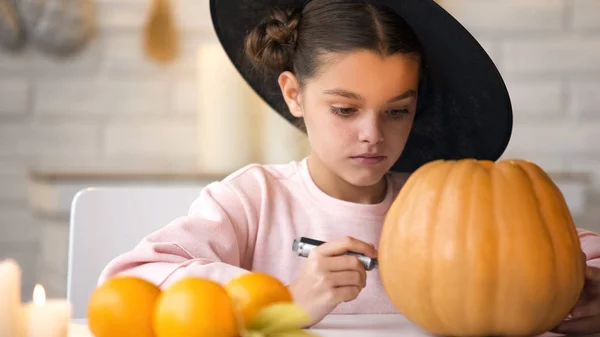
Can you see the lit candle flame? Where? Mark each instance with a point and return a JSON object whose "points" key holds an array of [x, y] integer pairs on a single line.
{"points": [[39, 295]]}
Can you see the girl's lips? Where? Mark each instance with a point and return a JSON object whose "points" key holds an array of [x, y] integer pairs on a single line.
{"points": [[369, 159]]}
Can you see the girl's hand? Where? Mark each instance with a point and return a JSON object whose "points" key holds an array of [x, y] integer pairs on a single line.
{"points": [[329, 278], [585, 317]]}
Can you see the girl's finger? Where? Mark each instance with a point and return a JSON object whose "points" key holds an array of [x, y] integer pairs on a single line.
{"points": [[583, 299], [347, 278], [587, 309], [581, 326], [347, 294], [346, 244], [342, 262], [593, 274], [346, 263]]}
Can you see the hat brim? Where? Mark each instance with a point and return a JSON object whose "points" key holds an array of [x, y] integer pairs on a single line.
{"points": [[464, 107]]}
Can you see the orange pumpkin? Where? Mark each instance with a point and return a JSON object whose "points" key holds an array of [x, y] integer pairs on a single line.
{"points": [[481, 248]]}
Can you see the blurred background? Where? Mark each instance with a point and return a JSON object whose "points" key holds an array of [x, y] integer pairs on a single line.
{"points": [[87, 100]]}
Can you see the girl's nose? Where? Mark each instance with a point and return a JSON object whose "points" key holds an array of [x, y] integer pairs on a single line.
{"points": [[371, 130]]}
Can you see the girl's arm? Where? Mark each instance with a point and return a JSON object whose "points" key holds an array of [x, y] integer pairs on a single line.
{"points": [[215, 240], [590, 244]]}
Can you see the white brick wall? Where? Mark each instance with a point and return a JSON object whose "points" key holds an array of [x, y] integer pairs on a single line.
{"points": [[13, 179], [556, 138], [109, 106], [115, 14], [171, 138], [13, 64], [18, 225], [553, 55], [126, 56], [585, 100], [585, 15], [536, 100], [114, 97], [13, 135], [14, 96], [501, 17], [85, 64], [61, 138]]}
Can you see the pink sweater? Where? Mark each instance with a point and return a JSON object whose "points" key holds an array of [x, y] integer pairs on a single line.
{"points": [[249, 220]]}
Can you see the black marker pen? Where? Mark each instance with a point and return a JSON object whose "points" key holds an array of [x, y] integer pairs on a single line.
{"points": [[303, 246]]}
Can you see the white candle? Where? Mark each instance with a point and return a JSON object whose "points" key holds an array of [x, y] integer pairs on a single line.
{"points": [[47, 318], [11, 315], [79, 330], [227, 107]]}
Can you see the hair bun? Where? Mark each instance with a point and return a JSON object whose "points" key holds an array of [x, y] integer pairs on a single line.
{"points": [[271, 45]]}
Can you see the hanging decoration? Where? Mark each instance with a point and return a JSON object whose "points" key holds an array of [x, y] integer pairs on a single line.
{"points": [[58, 27], [161, 42], [11, 29]]}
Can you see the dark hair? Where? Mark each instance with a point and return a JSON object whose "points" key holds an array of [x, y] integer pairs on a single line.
{"points": [[294, 39]]}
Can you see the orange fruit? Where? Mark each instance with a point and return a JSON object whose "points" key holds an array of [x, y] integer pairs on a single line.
{"points": [[124, 307], [195, 307], [253, 291]]}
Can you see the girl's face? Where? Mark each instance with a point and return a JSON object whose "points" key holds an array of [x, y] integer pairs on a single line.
{"points": [[358, 112]]}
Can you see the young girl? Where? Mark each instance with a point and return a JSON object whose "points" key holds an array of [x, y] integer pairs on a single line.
{"points": [[380, 90]]}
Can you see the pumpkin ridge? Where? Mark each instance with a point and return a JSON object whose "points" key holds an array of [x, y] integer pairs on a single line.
{"points": [[577, 277], [432, 236], [510, 257], [466, 236], [410, 183], [480, 238], [534, 185], [534, 191], [496, 180], [456, 230], [493, 308], [399, 236], [572, 233], [426, 304]]}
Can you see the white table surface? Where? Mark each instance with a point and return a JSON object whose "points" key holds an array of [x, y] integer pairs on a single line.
{"points": [[342, 326]]}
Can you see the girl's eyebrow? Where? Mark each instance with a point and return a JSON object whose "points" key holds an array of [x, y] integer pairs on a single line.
{"points": [[344, 93], [406, 94], [353, 95]]}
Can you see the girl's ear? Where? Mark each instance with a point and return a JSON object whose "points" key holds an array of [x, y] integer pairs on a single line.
{"points": [[290, 88]]}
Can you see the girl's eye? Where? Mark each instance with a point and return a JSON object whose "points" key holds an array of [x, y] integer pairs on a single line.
{"points": [[347, 112], [344, 112], [398, 113]]}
